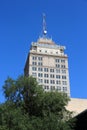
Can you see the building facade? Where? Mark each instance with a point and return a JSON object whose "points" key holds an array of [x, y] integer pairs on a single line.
{"points": [[48, 63], [77, 105]]}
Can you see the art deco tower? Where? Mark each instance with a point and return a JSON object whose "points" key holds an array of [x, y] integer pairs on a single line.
{"points": [[48, 63]]}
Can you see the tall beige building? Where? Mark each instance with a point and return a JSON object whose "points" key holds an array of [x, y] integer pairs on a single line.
{"points": [[48, 63]]}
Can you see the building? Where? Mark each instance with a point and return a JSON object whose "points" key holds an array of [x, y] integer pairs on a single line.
{"points": [[81, 121], [77, 105], [48, 63]]}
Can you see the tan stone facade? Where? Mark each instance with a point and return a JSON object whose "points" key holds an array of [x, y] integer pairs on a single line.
{"points": [[48, 63], [77, 105]]}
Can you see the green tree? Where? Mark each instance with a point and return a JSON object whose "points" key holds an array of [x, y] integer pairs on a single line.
{"points": [[28, 107]]}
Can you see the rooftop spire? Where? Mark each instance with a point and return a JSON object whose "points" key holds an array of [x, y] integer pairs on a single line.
{"points": [[44, 26]]}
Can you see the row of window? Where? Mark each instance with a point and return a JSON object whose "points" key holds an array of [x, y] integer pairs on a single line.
{"points": [[52, 81], [60, 66], [56, 65], [52, 76], [37, 58], [51, 51], [37, 63], [60, 60], [58, 88], [47, 70], [41, 58]]}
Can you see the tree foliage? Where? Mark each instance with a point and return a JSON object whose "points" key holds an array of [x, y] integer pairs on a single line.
{"points": [[28, 107]]}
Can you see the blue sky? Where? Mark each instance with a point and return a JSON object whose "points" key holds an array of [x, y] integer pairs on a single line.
{"points": [[21, 23]]}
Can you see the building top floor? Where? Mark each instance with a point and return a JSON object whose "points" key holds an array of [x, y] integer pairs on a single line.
{"points": [[47, 43], [47, 46]]}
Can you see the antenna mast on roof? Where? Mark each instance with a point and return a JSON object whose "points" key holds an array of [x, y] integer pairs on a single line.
{"points": [[44, 26]]}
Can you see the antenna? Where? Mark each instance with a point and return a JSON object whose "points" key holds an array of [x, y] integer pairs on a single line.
{"points": [[44, 26]]}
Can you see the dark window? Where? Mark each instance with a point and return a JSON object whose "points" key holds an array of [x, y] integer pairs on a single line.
{"points": [[63, 77], [52, 87], [58, 76], [34, 68], [46, 69], [51, 70]]}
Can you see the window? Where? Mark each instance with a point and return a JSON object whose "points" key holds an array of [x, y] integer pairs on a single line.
{"points": [[52, 76], [46, 69], [58, 82], [57, 66], [52, 81], [63, 66], [40, 63], [63, 77], [51, 70], [40, 75], [64, 89], [34, 48], [34, 68], [40, 58], [34, 63], [58, 88], [61, 50], [34, 58], [45, 51], [40, 69], [52, 87], [46, 87], [46, 81], [34, 74], [64, 82], [57, 60], [46, 75], [57, 70], [62, 61], [58, 76], [40, 80], [63, 71]]}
